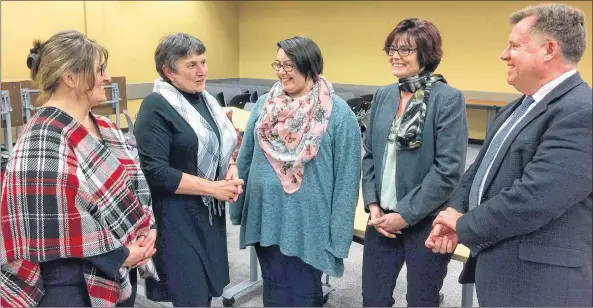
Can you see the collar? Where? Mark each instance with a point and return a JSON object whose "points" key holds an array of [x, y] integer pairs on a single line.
{"points": [[548, 87]]}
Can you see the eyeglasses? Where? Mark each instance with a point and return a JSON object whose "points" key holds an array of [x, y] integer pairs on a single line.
{"points": [[287, 67], [402, 51], [102, 69]]}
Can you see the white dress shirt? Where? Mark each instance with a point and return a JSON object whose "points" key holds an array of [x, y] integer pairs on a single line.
{"points": [[538, 96]]}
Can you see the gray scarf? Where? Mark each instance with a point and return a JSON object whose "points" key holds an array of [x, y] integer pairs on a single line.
{"points": [[212, 155], [409, 135]]}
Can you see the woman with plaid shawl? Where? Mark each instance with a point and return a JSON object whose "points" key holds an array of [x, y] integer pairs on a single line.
{"points": [[76, 214]]}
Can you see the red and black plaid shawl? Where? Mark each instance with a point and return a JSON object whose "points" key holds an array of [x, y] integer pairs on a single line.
{"points": [[67, 194]]}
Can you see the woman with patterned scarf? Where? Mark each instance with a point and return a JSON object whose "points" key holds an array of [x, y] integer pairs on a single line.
{"points": [[300, 159], [76, 213], [414, 157], [185, 143]]}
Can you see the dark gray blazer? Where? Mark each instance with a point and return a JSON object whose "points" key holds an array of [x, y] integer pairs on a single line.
{"points": [[531, 234], [426, 176]]}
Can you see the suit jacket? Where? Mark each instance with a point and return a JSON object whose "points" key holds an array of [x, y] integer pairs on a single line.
{"points": [[531, 234], [426, 176]]}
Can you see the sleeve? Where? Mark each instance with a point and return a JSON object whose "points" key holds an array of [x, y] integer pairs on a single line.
{"points": [[557, 178], [244, 160], [445, 173], [346, 164], [110, 263], [460, 198], [369, 190], [153, 138]]}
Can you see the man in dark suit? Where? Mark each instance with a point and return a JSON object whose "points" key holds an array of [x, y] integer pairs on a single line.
{"points": [[524, 208]]}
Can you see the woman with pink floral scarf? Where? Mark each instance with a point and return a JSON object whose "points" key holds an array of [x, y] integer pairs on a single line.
{"points": [[300, 159]]}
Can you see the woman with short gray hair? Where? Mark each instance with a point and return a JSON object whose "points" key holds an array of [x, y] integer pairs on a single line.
{"points": [[185, 144]]}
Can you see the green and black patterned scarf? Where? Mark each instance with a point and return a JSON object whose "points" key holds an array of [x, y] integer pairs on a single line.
{"points": [[409, 135]]}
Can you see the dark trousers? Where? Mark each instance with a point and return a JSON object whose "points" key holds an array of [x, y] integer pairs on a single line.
{"points": [[77, 295], [383, 259], [179, 286], [74, 296], [288, 281]]}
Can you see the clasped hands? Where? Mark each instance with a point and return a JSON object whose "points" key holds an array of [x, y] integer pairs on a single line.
{"points": [[142, 249], [230, 188], [387, 225], [443, 237]]}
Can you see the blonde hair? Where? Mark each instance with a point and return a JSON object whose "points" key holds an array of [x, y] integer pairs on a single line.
{"points": [[65, 52]]}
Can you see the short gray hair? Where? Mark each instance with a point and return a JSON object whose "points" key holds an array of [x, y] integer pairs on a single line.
{"points": [[565, 24], [173, 47]]}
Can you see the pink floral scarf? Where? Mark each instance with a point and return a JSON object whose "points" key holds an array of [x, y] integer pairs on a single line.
{"points": [[291, 129]]}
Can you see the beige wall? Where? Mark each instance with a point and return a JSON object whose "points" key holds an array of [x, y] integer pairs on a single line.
{"points": [[240, 37], [130, 30], [23, 21], [351, 35]]}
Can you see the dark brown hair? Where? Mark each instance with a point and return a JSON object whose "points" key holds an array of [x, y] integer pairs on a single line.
{"points": [[305, 54], [424, 36]]}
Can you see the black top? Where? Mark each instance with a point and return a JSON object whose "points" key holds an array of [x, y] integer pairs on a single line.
{"points": [[68, 271], [166, 131], [191, 251], [197, 101]]}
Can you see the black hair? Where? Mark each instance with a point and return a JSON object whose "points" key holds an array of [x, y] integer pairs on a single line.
{"points": [[304, 54]]}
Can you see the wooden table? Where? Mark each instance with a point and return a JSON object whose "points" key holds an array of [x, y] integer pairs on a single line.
{"points": [[491, 107], [240, 117]]}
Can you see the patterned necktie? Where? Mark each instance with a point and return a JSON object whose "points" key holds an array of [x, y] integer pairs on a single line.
{"points": [[499, 138]]}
